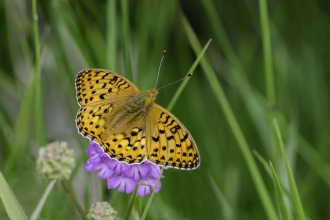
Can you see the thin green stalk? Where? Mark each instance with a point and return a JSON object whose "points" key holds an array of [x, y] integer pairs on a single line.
{"points": [[268, 63], [42, 201], [131, 204], [111, 35], [224, 104], [262, 161], [279, 193], [266, 166], [145, 212], [184, 83], [126, 36], [74, 200], [38, 98], [292, 182]]}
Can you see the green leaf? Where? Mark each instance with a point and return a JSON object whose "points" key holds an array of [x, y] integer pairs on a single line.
{"points": [[13, 208]]}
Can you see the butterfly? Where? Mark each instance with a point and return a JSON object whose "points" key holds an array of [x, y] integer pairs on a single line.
{"points": [[128, 125]]}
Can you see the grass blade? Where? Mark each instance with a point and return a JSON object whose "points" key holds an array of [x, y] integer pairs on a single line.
{"points": [[184, 83], [224, 104], [131, 204], [74, 200], [296, 197], [268, 64], [145, 212], [13, 208], [279, 193], [126, 34], [112, 35], [38, 98]]}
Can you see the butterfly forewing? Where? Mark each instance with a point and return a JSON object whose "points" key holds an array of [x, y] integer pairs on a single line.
{"points": [[90, 123], [97, 86]]}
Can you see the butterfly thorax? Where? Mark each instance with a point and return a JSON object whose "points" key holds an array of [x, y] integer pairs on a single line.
{"points": [[143, 100], [150, 96]]}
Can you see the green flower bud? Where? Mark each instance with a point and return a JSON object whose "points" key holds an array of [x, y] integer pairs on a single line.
{"points": [[55, 161], [102, 210]]}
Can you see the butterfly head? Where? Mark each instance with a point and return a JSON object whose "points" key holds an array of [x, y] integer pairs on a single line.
{"points": [[151, 95]]}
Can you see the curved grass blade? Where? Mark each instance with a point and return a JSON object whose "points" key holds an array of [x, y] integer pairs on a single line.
{"points": [[126, 34], [279, 193], [184, 83], [296, 197], [145, 212], [13, 208], [224, 104]]}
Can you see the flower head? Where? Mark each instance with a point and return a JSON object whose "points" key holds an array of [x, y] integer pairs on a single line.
{"points": [[102, 210], [122, 175], [55, 161]]}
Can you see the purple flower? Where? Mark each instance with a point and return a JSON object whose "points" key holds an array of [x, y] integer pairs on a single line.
{"points": [[138, 171], [120, 174], [125, 183], [147, 184]]}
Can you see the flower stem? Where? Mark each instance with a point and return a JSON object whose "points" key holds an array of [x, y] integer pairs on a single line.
{"points": [[131, 204], [42, 201], [74, 200], [145, 212]]}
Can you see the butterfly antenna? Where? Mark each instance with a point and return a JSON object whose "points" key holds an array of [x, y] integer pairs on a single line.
{"points": [[190, 74], [164, 53]]}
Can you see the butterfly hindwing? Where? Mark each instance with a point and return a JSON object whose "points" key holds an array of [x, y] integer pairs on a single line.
{"points": [[90, 123], [125, 144], [129, 147], [169, 137]]}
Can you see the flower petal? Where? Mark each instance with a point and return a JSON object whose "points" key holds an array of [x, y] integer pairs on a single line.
{"points": [[93, 148], [130, 185], [154, 170], [125, 183], [138, 171], [89, 167], [113, 182], [147, 184], [105, 172], [143, 190], [121, 167]]}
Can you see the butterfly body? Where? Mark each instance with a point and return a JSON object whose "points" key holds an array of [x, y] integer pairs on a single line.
{"points": [[128, 125], [141, 101]]}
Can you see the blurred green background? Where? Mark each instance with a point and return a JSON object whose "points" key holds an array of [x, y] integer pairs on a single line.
{"points": [[293, 86]]}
